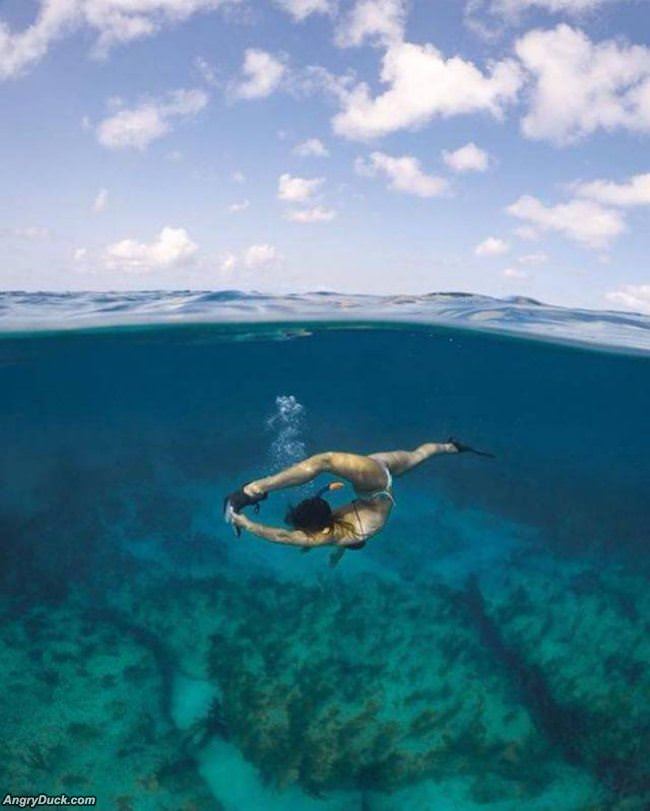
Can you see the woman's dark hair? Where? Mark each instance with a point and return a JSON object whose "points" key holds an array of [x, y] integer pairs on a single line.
{"points": [[310, 515], [314, 515]]}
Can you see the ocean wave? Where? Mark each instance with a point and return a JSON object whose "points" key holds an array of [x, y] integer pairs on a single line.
{"points": [[29, 312]]}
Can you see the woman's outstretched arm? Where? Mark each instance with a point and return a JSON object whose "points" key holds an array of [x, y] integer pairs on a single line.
{"points": [[278, 534]]}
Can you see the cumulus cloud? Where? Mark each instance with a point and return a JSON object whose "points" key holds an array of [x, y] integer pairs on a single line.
{"points": [[171, 248], [631, 297], [379, 21], [405, 174], [259, 256], [492, 246], [580, 86], [312, 147], [252, 258], [310, 215], [298, 189], [113, 21], [583, 221], [242, 205], [633, 192], [137, 127], [301, 9], [468, 158], [510, 7], [101, 201], [422, 84], [261, 74]]}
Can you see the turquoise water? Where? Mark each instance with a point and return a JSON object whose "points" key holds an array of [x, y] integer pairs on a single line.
{"points": [[488, 650]]}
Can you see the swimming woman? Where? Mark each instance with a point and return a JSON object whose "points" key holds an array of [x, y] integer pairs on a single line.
{"points": [[313, 522]]}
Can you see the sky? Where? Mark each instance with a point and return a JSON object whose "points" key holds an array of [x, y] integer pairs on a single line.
{"points": [[376, 146]]}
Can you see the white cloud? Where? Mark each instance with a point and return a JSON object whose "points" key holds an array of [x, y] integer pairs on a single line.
{"points": [[583, 221], [258, 256], [298, 189], [114, 21], [80, 254], [31, 232], [580, 86], [492, 246], [312, 147], [634, 192], [229, 263], [238, 177], [632, 297], [310, 215], [526, 232], [301, 9], [509, 7], [242, 205], [514, 273], [262, 74], [533, 259], [254, 257], [469, 158], [101, 201], [172, 247], [137, 127], [423, 84], [380, 21], [207, 71], [21, 49], [405, 174]]}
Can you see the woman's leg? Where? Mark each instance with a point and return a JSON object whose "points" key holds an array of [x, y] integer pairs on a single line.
{"points": [[297, 474], [361, 471], [399, 462]]}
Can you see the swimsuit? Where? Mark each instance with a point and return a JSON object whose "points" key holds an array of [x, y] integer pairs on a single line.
{"points": [[386, 492]]}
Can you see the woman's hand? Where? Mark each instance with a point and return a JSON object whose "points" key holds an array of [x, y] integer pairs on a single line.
{"points": [[239, 520]]}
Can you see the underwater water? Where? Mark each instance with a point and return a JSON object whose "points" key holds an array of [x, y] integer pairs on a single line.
{"points": [[488, 650]]}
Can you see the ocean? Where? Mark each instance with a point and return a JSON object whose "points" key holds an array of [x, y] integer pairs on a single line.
{"points": [[489, 649]]}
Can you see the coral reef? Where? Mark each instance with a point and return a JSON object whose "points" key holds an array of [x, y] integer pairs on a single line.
{"points": [[75, 719], [356, 683], [586, 631], [518, 683]]}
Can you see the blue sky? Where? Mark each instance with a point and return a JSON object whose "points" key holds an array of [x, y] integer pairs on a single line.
{"points": [[494, 146]]}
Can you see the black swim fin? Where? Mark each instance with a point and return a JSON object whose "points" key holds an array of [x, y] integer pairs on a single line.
{"points": [[239, 499], [235, 503], [462, 448]]}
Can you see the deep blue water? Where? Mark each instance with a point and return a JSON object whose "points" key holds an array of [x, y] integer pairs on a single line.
{"points": [[488, 649]]}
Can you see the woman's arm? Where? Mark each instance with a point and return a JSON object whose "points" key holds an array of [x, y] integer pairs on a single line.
{"points": [[278, 534]]}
